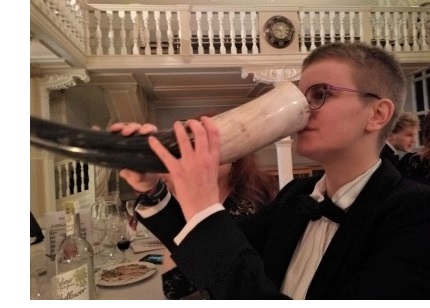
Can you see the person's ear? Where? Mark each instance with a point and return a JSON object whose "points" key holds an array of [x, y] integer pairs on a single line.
{"points": [[381, 113]]}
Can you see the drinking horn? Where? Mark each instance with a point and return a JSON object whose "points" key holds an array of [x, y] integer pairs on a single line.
{"points": [[245, 129]]}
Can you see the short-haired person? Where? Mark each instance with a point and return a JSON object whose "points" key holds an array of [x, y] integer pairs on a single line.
{"points": [[416, 166], [402, 138], [376, 247]]}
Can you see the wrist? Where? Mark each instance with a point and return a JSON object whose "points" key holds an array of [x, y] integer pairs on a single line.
{"points": [[154, 195]]}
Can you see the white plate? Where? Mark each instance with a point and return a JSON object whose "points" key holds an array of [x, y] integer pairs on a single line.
{"points": [[120, 281]]}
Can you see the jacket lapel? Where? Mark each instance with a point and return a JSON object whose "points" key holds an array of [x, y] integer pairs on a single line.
{"points": [[342, 251]]}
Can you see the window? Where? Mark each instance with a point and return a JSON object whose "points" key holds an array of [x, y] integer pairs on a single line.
{"points": [[422, 95]]}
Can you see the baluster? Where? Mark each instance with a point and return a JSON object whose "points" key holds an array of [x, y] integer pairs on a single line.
{"points": [[209, 17], [406, 46], [222, 49], [231, 16], [423, 36], [158, 32], [146, 33], [397, 46], [302, 31], [122, 35], [387, 31], [136, 26], [67, 177], [243, 32], [351, 16], [342, 26], [254, 32], [312, 29], [415, 46], [200, 50], [98, 33], [332, 15], [321, 16], [170, 49], [111, 48], [181, 47], [378, 28], [360, 22], [63, 180]]}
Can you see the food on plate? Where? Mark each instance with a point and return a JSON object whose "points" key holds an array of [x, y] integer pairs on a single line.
{"points": [[125, 272]]}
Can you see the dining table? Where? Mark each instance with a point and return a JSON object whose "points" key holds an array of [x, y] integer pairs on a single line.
{"points": [[147, 289]]}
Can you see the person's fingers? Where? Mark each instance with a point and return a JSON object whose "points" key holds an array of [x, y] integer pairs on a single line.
{"points": [[131, 128], [147, 129], [182, 137], [200, 136]]}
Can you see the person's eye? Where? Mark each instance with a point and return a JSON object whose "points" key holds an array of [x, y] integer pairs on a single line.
{"points": [[318, 94]]}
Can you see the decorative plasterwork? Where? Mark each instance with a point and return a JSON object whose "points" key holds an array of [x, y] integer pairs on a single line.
{"points": [[271, 75], [64, 81]]}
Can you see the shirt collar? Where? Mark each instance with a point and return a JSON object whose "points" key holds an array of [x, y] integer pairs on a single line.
{"points": [[347, 194]]}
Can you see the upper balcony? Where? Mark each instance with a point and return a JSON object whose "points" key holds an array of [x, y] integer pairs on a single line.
{"points": [[96, 36]]}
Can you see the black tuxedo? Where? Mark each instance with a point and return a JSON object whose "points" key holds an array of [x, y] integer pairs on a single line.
{"points": [[380, 251], [388, 153]]}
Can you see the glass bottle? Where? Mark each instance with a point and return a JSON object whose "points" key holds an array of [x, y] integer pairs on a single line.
{"points": [[74, 262]]}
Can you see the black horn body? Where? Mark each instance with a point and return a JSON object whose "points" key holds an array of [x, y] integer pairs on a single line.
{"points": [[101, 148]]}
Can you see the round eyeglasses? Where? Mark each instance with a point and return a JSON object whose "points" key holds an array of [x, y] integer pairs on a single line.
{"points": [[317, 93]]}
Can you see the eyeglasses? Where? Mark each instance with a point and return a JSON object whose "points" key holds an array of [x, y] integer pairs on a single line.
{"points": [[317, 93]]}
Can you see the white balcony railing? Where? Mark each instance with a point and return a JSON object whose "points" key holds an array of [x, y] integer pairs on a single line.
{"points": [[133, 29], [144, 30]]}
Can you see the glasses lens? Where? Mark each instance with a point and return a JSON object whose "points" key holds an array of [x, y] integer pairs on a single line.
{"points": [[316, 96]]}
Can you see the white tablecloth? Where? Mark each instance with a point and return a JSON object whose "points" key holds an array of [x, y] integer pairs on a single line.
{"points": [[148, 289]]}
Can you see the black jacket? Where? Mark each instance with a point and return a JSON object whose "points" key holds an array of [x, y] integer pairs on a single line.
{"points": [[380, 251]]}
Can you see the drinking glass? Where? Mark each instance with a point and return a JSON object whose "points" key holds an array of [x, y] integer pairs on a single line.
{"points": [[101, 212], [141, 231], [116, 228], [98, 235]]}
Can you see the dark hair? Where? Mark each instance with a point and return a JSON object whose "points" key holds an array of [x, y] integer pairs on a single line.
{"points": [[425, 130], [248, 182]]}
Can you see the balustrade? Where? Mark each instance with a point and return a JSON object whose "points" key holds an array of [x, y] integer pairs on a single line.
{"points": [[134, 29]]}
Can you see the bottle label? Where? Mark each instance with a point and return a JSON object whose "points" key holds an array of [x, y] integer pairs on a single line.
{"points": [[73, 284]]}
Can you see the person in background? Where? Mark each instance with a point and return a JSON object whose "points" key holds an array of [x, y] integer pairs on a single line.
{"points": [[416, 166], [359, 231], [402, 138]]}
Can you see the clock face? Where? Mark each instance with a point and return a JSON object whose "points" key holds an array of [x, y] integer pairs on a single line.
{"points": [[279, 31]]}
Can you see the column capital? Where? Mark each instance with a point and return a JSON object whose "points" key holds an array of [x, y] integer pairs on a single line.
{"points": [[64, 80], [271, 75]]}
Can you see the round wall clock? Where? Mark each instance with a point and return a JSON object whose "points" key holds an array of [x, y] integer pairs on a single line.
{"points": [[279, 31]]}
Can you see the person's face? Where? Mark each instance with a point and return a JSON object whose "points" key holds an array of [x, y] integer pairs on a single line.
{"points": [[336, 129], [404, 140]]}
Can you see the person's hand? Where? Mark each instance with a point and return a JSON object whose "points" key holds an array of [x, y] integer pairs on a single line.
{"points": [[141, 182], [195, 174]]}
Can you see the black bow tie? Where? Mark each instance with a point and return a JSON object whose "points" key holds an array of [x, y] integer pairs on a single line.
{"points": [[314, 210]]}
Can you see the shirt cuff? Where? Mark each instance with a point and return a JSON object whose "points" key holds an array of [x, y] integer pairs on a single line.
{"points": [[196, 219], [148, 211]]}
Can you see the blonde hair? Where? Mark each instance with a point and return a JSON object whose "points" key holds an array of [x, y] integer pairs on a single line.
{"points": [[406, 119]]}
